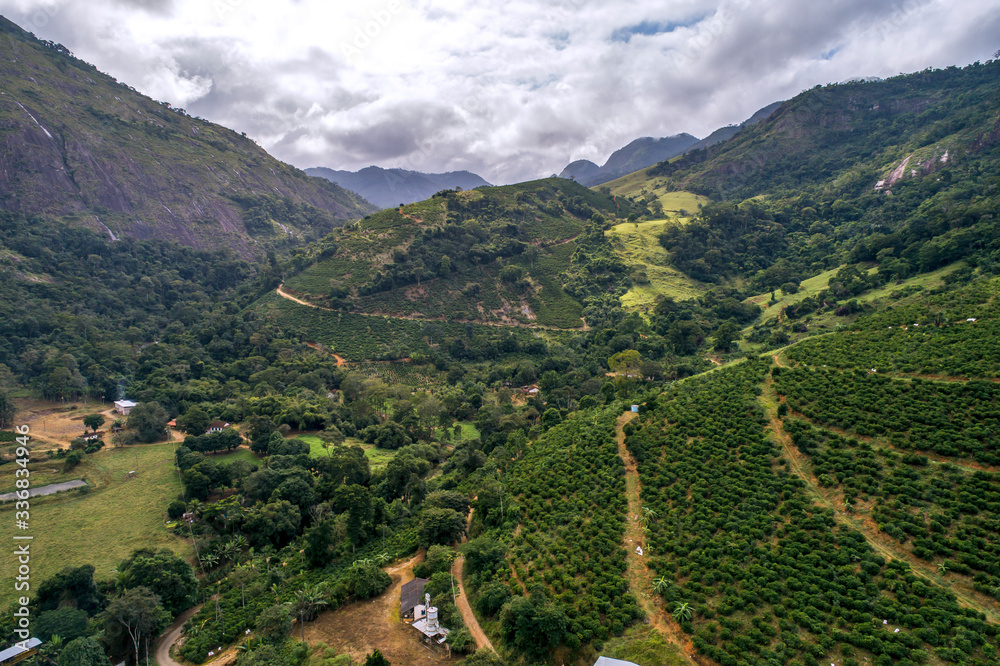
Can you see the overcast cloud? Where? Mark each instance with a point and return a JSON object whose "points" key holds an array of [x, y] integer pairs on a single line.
{"points": [[511, 90]]}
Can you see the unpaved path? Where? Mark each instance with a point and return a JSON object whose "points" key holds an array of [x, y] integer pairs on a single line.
{"points": [[457, 568], [511, 324], [341, 361], [640, 578], [482, 640], [170, 636]]}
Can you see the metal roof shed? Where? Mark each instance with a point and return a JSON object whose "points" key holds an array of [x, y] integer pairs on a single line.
{"points": [[410, 595]]}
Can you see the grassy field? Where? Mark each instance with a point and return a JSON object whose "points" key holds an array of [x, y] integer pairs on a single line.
{"points": [[102, 526], [818, 283], [644, 645], [377, 458], [469, 431], [238, 454], [638, 184], [637, 243]]}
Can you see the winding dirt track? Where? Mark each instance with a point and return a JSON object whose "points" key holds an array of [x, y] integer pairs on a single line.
{"points": [[284, 294], [639, 576], [170, 636], [482, 640]]}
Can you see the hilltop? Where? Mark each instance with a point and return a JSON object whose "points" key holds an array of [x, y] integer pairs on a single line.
{"points": [[513, 255], [391, 187], [77, 144]]}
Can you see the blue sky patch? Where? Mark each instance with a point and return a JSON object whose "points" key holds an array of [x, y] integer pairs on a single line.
{"points": [[653, 28]]}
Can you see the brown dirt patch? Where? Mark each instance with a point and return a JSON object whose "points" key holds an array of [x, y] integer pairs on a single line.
{"points": [[55, 424], [363, 626]]}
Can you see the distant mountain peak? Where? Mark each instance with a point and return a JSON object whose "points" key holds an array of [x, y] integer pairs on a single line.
{"points": [[387, 188], [647, 151]]}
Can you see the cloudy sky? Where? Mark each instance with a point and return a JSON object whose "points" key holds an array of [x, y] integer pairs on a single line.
{"points": [[511, 90]]}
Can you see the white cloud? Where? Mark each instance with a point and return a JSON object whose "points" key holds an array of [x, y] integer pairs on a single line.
{"points": [[512, 90]]}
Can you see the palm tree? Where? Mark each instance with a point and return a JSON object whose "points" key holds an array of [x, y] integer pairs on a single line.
{"points": [[942, 568], [381, 558], [682, 611], [647, 515], [229, 550], [660, 584], [308, 601], [196, 507], [209, 560]]}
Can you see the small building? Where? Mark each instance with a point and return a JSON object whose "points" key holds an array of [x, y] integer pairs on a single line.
{"points": [[172, 423], [635, 409], [429, 626], [20, 652], [123, 407], [608, 661], [409, 600], [217, 426]]}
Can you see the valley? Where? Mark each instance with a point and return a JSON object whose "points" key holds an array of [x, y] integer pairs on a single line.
{"points": [[740, 406]]}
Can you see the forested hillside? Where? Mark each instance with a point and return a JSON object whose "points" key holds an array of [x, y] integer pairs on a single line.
{"points": [[519, 254], [901, 172]]}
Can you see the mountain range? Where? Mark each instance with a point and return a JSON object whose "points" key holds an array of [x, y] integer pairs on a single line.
{"points": [[739, 406], [387, 188], [647, 151]]}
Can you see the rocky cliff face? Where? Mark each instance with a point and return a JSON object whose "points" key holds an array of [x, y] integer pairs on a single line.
{"points": [[77, 144]]}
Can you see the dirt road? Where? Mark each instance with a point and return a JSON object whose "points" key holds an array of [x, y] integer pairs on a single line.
{"points": [[170, 636], [462, 602], [639, 576], [284, 294]]}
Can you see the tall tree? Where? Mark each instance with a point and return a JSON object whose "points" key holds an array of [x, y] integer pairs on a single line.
{"points": [[149, 420], [93, 421], [139, 613]]}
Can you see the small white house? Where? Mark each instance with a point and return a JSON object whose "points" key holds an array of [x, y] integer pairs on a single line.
{"points": [[217, 426], [123, 407]]}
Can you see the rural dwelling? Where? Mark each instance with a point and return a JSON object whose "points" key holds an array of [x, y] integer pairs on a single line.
{"points": [[123, 407], [409, 600], [608, 661], [172, 424], [218, 426]]}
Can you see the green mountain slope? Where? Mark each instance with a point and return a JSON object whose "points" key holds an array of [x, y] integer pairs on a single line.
{"points": [[900, 173], [524, 254], [76, 143]]}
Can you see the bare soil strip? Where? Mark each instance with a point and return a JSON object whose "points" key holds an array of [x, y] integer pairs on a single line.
{"points": [[640, 578]]}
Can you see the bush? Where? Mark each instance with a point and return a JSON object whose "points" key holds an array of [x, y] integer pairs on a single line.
{"points": [[176, 509]]}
